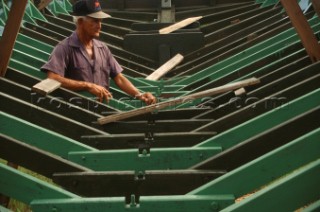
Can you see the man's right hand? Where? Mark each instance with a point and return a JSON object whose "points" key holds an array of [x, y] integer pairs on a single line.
{"points": [[99, 91]]}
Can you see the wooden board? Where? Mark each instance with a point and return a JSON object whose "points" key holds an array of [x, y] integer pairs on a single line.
{"points": [[179, 25], [303, 28], [126, 183], [240, 92], [10, 33], [162, 105], [316, 6], [165, 68], [35, 159], [138, 140], [46, 86]]}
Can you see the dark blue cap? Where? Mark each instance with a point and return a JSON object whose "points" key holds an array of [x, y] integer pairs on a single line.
{"points": [[89, 8]]}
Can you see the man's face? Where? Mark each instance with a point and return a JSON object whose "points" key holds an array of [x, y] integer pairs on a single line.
{"points": [[92, 26]]}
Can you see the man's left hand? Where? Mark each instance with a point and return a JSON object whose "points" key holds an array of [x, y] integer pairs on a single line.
{"points": [[148, 98]]}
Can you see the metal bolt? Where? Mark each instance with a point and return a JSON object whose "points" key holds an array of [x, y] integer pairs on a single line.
{"points": [[133, 201], [144, 152]]}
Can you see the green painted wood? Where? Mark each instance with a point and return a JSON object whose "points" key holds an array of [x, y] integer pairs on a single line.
{"points": [[28, 19], [264, 69], [2, 23], [225, 72], [27, 59], [287, 194], [33, 12], [35, 159], [252, 58], [267, 3], [35, 43], [56, 8], [47, 119], [273, 45], [26, 188], [157, 159], [26, 68], [66, 5], [40, 137], [72, 108], [266, 168], [263, 122], [142, 83], [4, 11], [158, 203], [31, 50], [225, 140]]}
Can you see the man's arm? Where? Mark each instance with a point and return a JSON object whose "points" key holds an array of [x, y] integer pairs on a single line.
{"points": [[75, 85], [124, 84]]}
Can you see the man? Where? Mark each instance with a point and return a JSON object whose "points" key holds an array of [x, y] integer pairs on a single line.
{"points": [[81, 62]]}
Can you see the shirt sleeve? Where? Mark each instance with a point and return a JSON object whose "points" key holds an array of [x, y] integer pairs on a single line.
{"points": [[115, 67], [58, 60]]}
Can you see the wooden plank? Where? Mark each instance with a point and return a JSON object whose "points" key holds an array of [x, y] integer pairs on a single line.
{"points": [[35, 159], [162, 105], [139, 140], [10, 33], [240, 92], [165, 68], [158, 126], [7, 41], [262, 143], [179, 25], [316, 6], [303, 29], [46, 86], [126, 183]]}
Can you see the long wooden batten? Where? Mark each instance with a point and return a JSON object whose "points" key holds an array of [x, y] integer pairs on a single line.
{"points": [[162, 105]]}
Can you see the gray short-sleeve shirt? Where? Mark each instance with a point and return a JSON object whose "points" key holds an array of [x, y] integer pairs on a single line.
{"points": [[69, 59]]}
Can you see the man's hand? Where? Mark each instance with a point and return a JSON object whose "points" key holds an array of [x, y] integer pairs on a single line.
{"points": [[148, 98], [124, 84], [99, 91], [75, 85]]}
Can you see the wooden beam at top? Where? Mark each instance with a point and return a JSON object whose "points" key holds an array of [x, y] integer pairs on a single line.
{"points": [[303, 28], [10, 33], [7, 41], [316, 6]]}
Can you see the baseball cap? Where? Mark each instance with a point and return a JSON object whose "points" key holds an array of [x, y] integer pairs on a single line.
{"points": [[89, 8]]}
